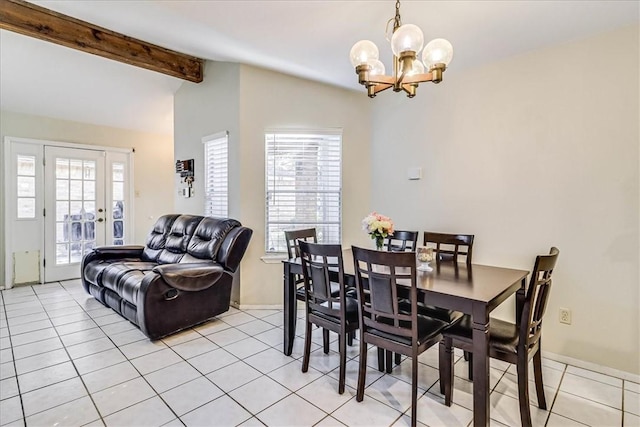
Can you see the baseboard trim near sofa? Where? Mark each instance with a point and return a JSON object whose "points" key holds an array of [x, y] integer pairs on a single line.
{"points": [[256, 306], [606, 370]]}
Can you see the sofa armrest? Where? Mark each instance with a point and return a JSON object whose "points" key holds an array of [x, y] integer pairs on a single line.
{"points": [[233, 248], [112, 252], [129, 251], [190, 276]]}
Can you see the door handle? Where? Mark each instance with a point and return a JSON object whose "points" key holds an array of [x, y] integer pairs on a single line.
{"points": [[100, 210], [100, 219]]}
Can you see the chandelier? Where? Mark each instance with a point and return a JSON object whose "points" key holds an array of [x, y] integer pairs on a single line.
{"points": [[408, 72]]}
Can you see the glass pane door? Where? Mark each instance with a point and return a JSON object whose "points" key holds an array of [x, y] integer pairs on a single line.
{"points": [[75, 202]]}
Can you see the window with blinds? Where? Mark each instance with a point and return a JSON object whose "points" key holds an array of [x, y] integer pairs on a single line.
{"points": [[216, 168], [304, 185]]}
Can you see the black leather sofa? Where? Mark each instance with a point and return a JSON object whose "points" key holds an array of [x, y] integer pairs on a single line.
{"points": [[181, 277]]}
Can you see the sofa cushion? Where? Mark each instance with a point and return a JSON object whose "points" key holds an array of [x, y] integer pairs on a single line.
{"points": [[157, 237], [124, 278], [208, 237], [178, 238]]}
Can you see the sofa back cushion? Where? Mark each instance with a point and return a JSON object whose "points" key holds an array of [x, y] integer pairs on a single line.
{"points": [[178, 238], [157, 237], [208, 237]]}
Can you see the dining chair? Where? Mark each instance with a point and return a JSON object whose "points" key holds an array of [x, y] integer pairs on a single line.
{"points": [[517, 342], [389, 276], [450, 247], [453, 248], [293, 237], [322, 267], [401, 241]]}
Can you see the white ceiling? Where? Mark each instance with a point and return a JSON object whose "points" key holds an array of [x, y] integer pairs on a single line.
{"points": [[305, 38]]}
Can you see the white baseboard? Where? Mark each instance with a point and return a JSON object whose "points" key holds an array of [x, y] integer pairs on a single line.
{"points": [[627, 376], [257, 306]]}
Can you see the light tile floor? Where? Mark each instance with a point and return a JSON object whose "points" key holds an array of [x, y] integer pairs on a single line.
{"points": [[67, 360]]}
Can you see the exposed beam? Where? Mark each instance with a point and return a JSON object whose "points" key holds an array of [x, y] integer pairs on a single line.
{"points": [[35, 21]]}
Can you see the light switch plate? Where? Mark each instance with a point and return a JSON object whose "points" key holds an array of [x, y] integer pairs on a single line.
{"points": [[414, 173]]}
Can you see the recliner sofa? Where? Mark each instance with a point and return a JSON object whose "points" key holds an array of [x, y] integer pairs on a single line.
{"points": [[180, 278]]}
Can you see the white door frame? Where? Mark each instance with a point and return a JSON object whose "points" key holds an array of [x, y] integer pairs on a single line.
{"points": [[10, 201]]}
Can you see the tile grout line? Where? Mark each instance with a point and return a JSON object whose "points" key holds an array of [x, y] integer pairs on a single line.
{"points": [[15, 368]]}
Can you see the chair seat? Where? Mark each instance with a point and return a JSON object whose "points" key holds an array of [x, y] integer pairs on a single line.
{"points": [[427, 329], [351, 310], [335, 291], [446, 315], [503, 336]]}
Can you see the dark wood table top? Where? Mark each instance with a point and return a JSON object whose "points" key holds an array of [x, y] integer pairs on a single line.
{"points": [[478, 283]]}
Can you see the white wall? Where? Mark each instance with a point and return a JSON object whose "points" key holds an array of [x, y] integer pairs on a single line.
{"points": [[538, 150], [153, 162], [202, 109]]}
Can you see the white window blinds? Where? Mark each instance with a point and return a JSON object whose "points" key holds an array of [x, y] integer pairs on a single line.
{"points": [[216, 164], [304, 185]]}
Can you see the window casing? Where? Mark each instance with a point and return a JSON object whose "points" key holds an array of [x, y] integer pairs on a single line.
{"points": [[216, 165], [303, 185]]}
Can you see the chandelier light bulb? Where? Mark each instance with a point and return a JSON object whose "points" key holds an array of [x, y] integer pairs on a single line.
{"points": [[408, 37], [416, 68], [437, 51], [363, 52], [377, 68]]}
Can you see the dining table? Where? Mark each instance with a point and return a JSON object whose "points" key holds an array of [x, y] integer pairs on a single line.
{"points": [[475, 290]]}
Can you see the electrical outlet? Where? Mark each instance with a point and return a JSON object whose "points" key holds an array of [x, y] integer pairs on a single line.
{"points": [[565, 316]]}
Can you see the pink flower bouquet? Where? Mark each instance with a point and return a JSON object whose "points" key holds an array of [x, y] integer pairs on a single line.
{"points": [[378, 226]]}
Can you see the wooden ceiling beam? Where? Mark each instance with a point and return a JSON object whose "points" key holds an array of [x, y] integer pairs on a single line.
{"points": [[41, 23]]}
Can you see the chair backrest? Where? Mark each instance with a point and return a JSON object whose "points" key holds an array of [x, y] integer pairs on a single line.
{"points": [[401, 241], [536, 298], [321, 265], [377, 276], [450, 247], [292, 237]]}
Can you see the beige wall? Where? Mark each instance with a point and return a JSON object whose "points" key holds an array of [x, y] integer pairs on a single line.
{"points": [[153, 162], [538, 150], [273, 100]]}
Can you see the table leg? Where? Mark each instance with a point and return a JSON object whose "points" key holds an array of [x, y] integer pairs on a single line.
{"points": [[480, 366], [290, 309], [520, 297]]}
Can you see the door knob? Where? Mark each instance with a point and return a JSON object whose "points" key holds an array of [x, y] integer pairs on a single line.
{"points": [[100, 219], [100, 210]]}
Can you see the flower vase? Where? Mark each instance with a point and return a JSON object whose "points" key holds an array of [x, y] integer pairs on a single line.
{"points": [[379, 242]]}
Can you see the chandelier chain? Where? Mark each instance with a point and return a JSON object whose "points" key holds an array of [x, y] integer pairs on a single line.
{"points": [[397, 21]]}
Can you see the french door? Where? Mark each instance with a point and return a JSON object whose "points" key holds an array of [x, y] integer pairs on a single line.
{"points": [[74, 208]]}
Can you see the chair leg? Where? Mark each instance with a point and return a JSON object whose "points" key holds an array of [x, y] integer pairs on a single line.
{"points": [[398, 358], [350, 337], [470, 375], [380, 359], [342, 345], [362, 370], [388, 358], [325, 340], [537, 374], [466, 355], [523, 388], [307, 347], [414, 389], [445, 359]]}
